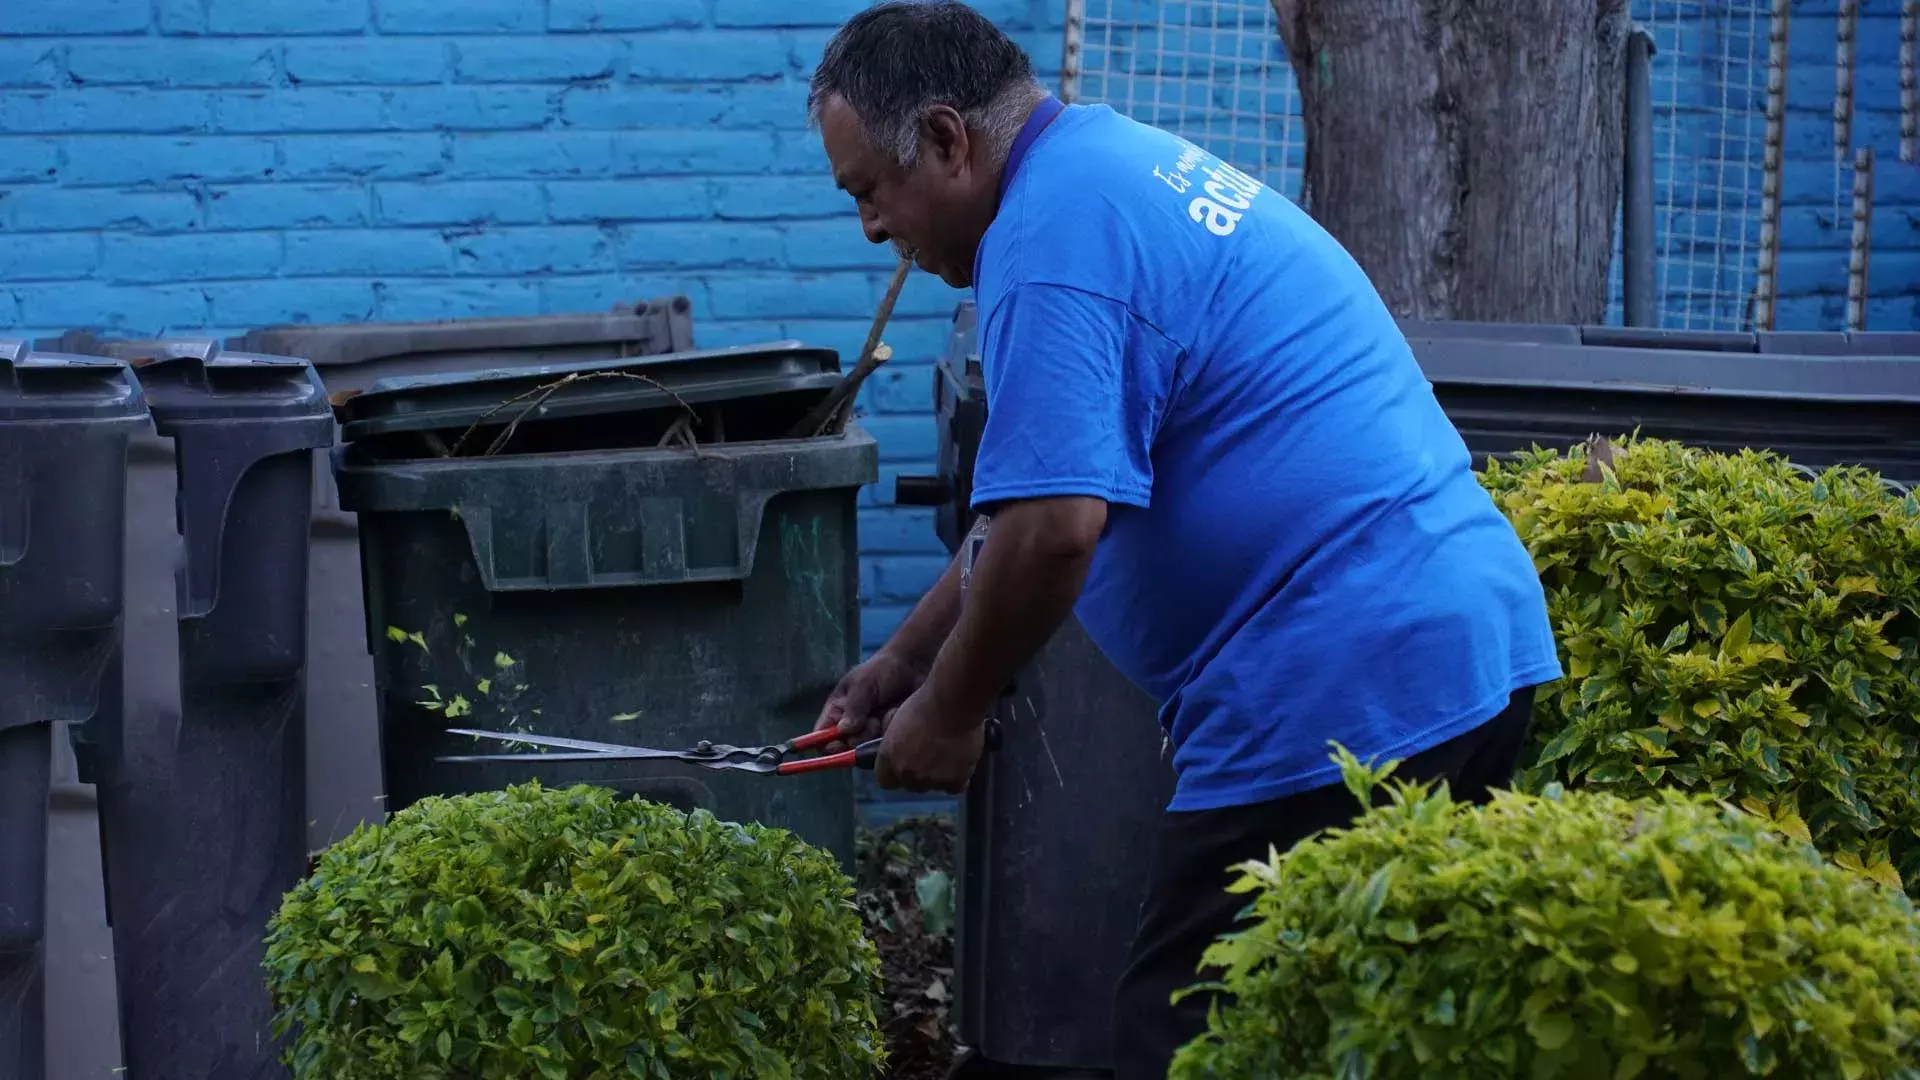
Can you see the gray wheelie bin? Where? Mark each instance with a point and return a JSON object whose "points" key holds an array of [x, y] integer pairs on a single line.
{"points": [[202, 793], [1061, 820], [64, 426]]}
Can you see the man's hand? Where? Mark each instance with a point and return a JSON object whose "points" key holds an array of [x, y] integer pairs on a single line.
{"points": [[865, 694], [929, 748]]}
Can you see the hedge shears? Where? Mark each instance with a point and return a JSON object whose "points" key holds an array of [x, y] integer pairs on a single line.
{"points": [[770, 760]]}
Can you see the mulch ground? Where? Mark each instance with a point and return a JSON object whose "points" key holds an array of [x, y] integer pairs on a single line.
{"points": [[898, 865]]}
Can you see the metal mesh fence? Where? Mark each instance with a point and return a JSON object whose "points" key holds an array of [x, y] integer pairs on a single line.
{"points": [[1211, 71], [1216, 73], [1709, 137]]}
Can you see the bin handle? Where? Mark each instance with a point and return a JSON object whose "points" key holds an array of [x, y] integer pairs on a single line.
{"points": [[663, 534], [209, 474]]}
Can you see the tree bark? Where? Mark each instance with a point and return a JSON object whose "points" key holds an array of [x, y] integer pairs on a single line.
{"points": [[1466, 152]]}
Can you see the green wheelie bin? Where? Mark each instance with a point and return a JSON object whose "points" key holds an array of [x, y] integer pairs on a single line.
{"points": [[626, 551]]}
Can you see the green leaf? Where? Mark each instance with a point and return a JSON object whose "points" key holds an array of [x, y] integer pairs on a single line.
{"points": [[1737, 635], [1610, 772], [468, 911], [1742, 557], [934, 893], [658, 885], [1757, 1055], [1374, 897], [1560, 745], [512, 1000], [1596, 689], [374, 986], [1551, 1031], [520, 1031], [1712, 616], [1859, 690]]}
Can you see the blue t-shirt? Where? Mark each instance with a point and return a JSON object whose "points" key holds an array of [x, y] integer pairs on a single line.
{"points": [[1297, 549]]}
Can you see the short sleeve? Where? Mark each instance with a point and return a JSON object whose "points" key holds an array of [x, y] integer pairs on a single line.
{"points": [[1076, 389]]}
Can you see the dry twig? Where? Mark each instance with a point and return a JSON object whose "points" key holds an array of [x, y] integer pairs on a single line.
{"points": [[830, 415], [541, 393]]}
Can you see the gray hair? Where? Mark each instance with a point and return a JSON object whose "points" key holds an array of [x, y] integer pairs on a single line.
{"points": [[897, 60]]}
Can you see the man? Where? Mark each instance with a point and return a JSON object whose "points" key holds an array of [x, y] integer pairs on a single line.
{"points": [[1207, 437]]}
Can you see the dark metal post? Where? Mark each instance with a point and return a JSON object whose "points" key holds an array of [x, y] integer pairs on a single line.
{"points": [[1636, 215]]}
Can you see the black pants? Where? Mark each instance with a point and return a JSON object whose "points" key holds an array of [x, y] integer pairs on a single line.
{"points": [[1188, 906]]}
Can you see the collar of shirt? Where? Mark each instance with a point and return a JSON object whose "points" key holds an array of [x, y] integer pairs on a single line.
{"points": [[1042, 115]]}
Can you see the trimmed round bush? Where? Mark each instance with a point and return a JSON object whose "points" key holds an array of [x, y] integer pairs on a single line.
{"points": [[1734, 626], [572, 934], [1571, 934]]}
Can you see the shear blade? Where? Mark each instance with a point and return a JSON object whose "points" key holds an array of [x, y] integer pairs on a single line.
{"points": [[567, 744]]}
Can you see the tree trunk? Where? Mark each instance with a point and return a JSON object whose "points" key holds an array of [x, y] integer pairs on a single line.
{"points": [[1467, 152]]}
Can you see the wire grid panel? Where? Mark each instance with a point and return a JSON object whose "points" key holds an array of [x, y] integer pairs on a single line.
{"points": [[1709, 76], [1213, 72]]}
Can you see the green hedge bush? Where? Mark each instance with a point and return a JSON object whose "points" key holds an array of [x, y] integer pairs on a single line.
{"points": [[572, 935], [1570, 935], [1731, 625]]}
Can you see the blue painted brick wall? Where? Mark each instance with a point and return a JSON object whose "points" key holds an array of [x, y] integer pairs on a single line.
{"points": [[210, 165]]}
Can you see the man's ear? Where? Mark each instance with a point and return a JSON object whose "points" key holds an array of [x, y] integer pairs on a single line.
{"points": [[946, 137]]}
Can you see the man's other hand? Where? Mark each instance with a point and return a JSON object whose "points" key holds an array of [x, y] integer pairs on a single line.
{"points": [[927, 748], [860, 700]]}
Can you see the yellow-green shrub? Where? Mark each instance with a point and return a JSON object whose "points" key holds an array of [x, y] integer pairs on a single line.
{"points": [[1572, 935], [1734, 626], [572, 935]]}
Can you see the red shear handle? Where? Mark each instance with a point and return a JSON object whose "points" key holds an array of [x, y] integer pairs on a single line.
{"points": [[860, 757], [814, 740]]}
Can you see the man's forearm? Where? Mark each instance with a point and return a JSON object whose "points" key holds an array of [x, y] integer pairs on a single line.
{"points": [[1024, 585], [926, 627]]}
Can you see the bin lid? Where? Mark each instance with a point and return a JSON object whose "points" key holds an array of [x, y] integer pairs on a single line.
{"points": [[590, 388], [1591, 369], [646, 327], [132, 350], [41, 386], [187, 385]]}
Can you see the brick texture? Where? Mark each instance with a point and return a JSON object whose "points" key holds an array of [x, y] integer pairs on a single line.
{"points": [[211, 165]]}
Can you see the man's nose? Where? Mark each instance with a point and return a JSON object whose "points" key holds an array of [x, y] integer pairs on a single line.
{"points": [[870, 224]]}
